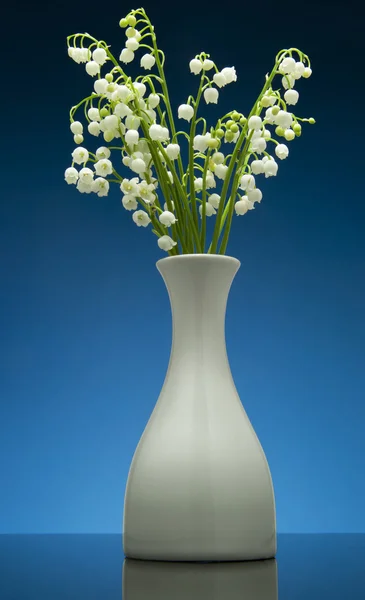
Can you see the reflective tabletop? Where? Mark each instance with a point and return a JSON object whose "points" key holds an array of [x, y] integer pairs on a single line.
{"points": [[93, 567]]}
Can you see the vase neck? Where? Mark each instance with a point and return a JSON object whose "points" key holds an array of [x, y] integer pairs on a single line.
{"points": [[198, 287]]}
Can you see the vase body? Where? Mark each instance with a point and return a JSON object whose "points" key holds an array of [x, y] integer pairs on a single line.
{"points": [[199, 487]]}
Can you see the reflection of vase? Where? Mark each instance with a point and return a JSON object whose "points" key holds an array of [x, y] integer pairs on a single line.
{"points": [[199, 486], [154, 580]]}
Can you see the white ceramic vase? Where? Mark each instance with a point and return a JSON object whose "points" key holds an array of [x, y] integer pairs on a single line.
{"points": [[199, 486]]}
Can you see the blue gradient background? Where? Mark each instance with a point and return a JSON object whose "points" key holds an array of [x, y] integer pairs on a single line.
{"points": [[85, 322]]}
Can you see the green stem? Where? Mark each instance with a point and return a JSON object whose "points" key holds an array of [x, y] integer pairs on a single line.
{"points": [[191, 154]]}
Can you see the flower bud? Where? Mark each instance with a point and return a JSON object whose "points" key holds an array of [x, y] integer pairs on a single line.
{"points": [[307, 72], [78, 138], [104, 112], [235, 128], [108, 136], [235, 115], [109, 77], [275, 110], [123, 23], [131, 20], [229, 123], [279, 131], [243, 121], [213, 143], [297, 128], [289, 134], [229, 136], [219, 133], [311, 121]]}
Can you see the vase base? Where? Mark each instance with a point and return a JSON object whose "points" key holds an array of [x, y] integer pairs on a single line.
{"points": [[190, 552]]}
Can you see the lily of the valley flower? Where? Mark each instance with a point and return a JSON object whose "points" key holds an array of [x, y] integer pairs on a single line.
{"points": [[214, 200], [92, 68], [102, 152], [167, 218], [80, 155], [103, 167], [130, 187], [254, 195], [71, 175], [172, 151], [247, 182], [211, 95], [94, 128], [291, 96], [158, 133], [257, 167], [281, 151], [165, 242], [129, 202], [185, 111], [242, 206], [147, 61], [196, 66], [126, 56], [101, 186], [100, 56], [209, 209], [141, 218], [270, 168]]}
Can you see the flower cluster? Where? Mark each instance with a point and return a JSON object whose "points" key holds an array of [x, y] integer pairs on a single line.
{"points": [[134, 120]]}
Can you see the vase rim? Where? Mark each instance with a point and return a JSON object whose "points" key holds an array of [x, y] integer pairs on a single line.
{"points": [[216, 257]]}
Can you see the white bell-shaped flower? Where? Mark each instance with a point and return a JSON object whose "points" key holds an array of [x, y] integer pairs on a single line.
{"points": [[254, 195], [287, 65], [101, 186], [94, 128], [219, 80], [218, 158], [92, 68], [307, 72], [167, 218], [103, 167], [255, 123], [196, 66], [211, 95], [221, 171], [102, 152], [257, 167], [129, 202], [291, 96], [141, 218], [100, 86], [242, 206], [229, 74], [100, 56], [214, 200], [130, 187], [93, 114], [126, 56], [270, 168], [281, 151], [71, 175], [153, 100], [247, 182], [172, 151], [138, 165], [284, 119], [147, 192], [185, 111], [86, 175], [131, 137], [165, 242], [76, 127], [80, 155], [258, 145], [132, 44], [198, 184], [209, 209], [207, 64], [147, 61]]}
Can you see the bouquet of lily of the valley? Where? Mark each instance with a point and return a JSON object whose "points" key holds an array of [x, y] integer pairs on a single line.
{"points": [[137, 123]]}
